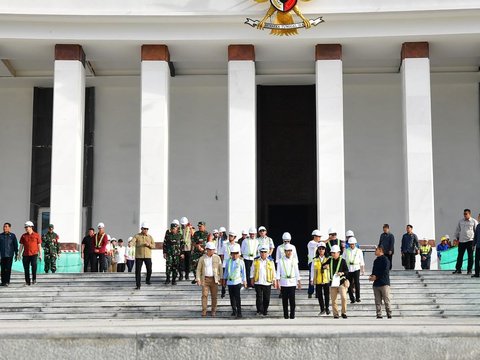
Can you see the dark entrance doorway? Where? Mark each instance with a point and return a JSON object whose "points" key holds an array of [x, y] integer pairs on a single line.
{"points": [[286, 161]]}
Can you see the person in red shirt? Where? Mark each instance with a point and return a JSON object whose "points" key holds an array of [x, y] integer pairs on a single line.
{"points": [[99, 249], [30, 249]]}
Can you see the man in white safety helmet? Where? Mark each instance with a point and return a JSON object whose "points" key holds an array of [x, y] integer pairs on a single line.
{"points": [[249, 250], [312, 249], [187, 234], [263, 239], [143, 243], [333, 240], [209, 275], [338, 272], [288, 279], [356, 267], [287, 239], [234, 276], [262, 276]]}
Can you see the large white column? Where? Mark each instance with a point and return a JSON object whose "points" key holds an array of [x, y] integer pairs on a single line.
{"points": [[67, 143], [417, 125], [155, 113], [330, 143], [242, 152]]}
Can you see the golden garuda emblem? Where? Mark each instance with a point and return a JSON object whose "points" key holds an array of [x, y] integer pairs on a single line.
{"points": [[284, 23]]}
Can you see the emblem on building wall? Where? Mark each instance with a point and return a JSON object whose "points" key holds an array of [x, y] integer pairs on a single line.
{"points": [[283, 23]]}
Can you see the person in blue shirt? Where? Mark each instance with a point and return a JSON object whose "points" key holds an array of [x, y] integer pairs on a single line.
{"points": [[443, 246], [409, 248], [8, 252], [235, 276], [381, 282]]}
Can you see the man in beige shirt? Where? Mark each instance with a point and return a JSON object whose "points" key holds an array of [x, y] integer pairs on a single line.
{"points": [[143, 243], [209, 274]]}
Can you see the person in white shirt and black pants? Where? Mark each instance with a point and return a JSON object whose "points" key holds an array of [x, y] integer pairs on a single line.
{"points": [[288, 279], [262, 276], [356, 267], [235, 276], [249, 250]]}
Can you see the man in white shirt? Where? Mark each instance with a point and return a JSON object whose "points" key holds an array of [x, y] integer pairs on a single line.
{"points": [[120, 256], [227, 245], [356, 267], [249, 250], [209, 274], [312, 249], [262, 277], [465, 233], [288, 279], [234, 276], [263, 239], [287, 239]]}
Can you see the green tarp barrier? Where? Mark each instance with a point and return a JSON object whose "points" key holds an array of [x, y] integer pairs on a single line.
{"points": [[449, 259], [67, 263]]}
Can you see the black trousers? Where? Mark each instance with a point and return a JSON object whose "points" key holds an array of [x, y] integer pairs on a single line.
{"points": [[138, 270], [263, 298], [120, 267], [477, 261], [185, 263], [27, 262], [87, 261], [389, 257], [409, 261], [288, 296], [248, 266], [425, 263], [6, 264], [461, 252], [235, 301], [323, 295], [354, 278], [130, 264]]}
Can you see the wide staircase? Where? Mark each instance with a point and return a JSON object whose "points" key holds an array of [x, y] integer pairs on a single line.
{"points": [[112, 296]]}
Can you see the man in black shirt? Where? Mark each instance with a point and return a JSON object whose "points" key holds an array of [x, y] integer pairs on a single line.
{"points": [[87, 249], [387, 241], [381, 282]]}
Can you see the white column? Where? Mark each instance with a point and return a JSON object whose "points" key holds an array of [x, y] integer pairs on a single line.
{"points": [[242, 152], [417, 124], [330, 143], [155, 113], [66, 200]]}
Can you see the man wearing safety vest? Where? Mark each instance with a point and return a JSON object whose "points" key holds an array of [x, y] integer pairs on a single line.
{"points": [[425, 254], [320, 278], [234, 277], [262, 276], [288, 279], [338, 273], [312, 250], [249, 248], [356, 267]]}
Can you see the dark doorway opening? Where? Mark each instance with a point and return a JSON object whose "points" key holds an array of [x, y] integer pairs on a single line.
{"points": [[286, 161]]}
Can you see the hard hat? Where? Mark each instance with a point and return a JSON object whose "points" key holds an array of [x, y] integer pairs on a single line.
{"points": [[29, 224], [335, 249], [262, 228], [352, 240], [184, 220], [286, 236], [322, 244], [113, 239], [288, 247], [210, 246], [349, 233], [215, 231], [264, 248], [175, 221], [101, 225], [447, 236], [316, 233], [145, 225], [332, 230], [235, 248], [252, 230], [222, 229], [232, 233], [444, 238], [244, 232], [130, 238]]}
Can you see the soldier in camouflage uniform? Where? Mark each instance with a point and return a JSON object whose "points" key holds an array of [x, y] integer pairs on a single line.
{"points": [[199, 240], [173, 245], [51, 249]]}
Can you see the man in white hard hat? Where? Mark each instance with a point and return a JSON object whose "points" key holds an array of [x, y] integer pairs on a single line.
{"points": [[100, 243], [187, 234], [143, 243], [312, 249], [320, 278], [287, 239], [262, 276], [209, 275], [338, 271], [227, 249], [263, 239], [234, 277], [333, 240], [30, 250], [356, 267], [249, 250], [288, 279]]}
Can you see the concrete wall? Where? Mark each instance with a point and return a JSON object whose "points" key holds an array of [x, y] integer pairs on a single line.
{"points": [[16, 106]]}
